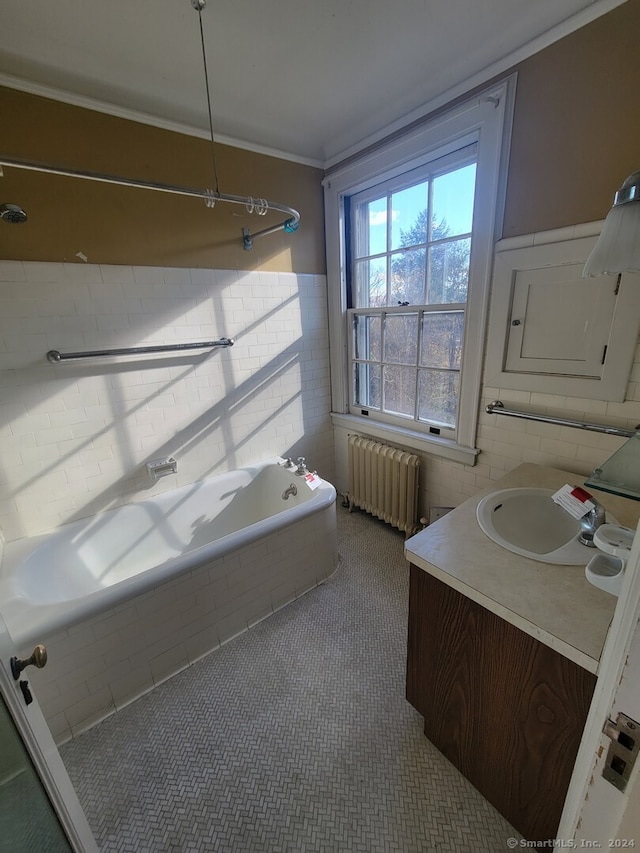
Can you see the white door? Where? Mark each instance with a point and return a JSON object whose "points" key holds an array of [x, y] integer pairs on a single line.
{"points": [[39, 809], [596, 814]]}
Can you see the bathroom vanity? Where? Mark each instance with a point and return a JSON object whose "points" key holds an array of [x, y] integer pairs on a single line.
{"points": [[503, 655]]}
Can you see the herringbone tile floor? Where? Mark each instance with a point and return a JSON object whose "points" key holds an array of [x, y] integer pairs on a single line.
{"points": [[293, 737]]}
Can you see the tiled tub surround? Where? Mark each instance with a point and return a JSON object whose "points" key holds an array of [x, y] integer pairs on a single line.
{"points": [[75, 437], [116, 655]]}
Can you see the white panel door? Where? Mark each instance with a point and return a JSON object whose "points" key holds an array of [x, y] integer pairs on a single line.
{"points": [[39, 809]]}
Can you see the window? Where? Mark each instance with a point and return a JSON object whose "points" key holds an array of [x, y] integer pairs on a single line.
{"points": [[410, 231], [409, 273]]}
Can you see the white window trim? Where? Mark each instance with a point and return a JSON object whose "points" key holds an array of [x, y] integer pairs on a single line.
{"points": [[485, 118]]}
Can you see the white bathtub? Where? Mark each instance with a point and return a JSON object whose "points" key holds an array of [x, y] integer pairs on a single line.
{"points": [[57, 579], [130, 597]]}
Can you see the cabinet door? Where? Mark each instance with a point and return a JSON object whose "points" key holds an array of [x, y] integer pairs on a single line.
{"points": [[506, 710], [560, 322], [554, 332]]}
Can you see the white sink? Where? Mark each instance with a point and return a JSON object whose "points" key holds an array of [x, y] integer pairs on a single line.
{"points": [[528, 522]]}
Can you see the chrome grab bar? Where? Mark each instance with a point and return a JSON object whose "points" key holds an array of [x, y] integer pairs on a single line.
{"points": [[56, 357], [497, 408]]}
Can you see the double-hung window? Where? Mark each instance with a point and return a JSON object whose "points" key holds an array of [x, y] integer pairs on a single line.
{"points": [[410, 230], [409, 277]]}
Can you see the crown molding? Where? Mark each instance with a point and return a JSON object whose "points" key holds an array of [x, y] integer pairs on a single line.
{"points": [[107, 108]]}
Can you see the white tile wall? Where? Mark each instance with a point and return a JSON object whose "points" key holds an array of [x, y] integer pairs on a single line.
{"points": [[74, 437], [506, 442], [104, 663]]}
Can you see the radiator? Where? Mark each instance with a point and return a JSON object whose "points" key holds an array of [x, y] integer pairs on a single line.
{"points": [[383, 481]]}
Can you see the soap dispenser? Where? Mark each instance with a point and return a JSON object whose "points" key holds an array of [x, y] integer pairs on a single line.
{"points": [[606, 568]]}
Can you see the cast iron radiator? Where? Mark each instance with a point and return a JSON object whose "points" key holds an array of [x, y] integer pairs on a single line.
{"points": [[383, 481]]}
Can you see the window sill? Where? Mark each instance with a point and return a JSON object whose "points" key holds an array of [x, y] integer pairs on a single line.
{"points": [[432, 444]]}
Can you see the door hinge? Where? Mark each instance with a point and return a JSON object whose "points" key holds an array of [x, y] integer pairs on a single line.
{"points": [[623, 750]]}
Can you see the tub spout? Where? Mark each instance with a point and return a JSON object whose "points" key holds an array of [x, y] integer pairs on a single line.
{"points": [[290, 490]]}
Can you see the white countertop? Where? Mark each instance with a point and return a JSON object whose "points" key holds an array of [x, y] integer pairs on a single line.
{"points": [[555, 604]]}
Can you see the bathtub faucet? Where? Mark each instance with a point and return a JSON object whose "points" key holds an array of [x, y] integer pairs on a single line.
{"points": [[290, 490], [302, 469]]}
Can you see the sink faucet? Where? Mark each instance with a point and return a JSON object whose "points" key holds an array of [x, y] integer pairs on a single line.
{"points": [[590, 523], [302, 469]]}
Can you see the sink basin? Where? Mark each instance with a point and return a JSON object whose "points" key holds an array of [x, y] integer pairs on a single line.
{"points": [[527, 521]]}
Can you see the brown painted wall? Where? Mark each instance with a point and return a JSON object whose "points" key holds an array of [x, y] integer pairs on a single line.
{"points": [[576, 136], [576, 132], [116, 225]]}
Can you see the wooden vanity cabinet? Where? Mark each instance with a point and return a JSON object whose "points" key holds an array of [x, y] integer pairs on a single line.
{"points": [[505, 709]]}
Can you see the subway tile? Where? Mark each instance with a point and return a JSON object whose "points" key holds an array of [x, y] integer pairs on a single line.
{"points": [[591, 407], [59, 727], [231, 626], [202, 643], [562, 449], [591, 456], [130, 685], [115, 273], [169, 663], [548, 401], [511, 451], [108, 627], [12, 271], [629, 409], [36, 271], [85, 713], [53, 435], [84, 273]]}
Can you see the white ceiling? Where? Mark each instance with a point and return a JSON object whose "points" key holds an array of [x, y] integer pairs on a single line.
{"points": [[308, 78]]}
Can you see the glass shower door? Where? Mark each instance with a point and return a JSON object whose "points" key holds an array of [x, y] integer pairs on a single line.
{"points": [[28, 821]]}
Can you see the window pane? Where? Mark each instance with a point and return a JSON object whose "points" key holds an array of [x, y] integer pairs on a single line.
{"points": [[367, 386], [370, 283], [453, 195], [449, 272], [399, 390], [409, 216], [441, 344], [438, 392], [401, 338], [366, 331], [376, 228], [407, 277]]}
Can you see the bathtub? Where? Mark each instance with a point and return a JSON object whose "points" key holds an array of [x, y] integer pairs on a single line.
{"points": [[178, 573]]}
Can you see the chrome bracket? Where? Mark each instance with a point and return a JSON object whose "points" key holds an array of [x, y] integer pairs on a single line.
{"points": [[623, 750]]}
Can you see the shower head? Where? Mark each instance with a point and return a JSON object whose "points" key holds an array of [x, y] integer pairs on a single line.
{"points": [[12, 213]]}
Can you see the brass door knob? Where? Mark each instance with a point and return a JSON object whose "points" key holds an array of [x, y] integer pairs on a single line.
{"points": [[37, 659]]}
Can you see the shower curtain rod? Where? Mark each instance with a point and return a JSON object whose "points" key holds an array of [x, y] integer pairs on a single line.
{"points": [[259, 205]]}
